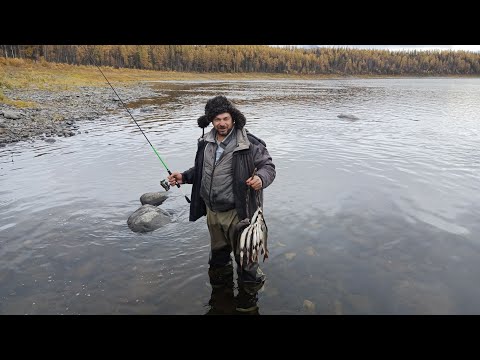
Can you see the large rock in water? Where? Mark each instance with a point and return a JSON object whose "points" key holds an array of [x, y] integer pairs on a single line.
{"points": [[148, 218], [153, 198]]}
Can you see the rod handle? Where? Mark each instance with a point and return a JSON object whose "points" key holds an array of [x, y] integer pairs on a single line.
{"points": [[178, 185]]}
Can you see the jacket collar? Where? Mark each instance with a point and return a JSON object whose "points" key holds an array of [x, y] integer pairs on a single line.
{"points": [[242, 140]]}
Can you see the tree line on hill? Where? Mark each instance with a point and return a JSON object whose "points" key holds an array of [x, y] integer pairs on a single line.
{"points": [[255, 59]]}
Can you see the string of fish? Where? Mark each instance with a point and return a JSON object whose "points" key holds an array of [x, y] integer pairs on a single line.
{"points": [[253, 239]]}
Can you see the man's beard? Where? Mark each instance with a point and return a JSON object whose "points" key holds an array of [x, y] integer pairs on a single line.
{"points": [[225, 129]]}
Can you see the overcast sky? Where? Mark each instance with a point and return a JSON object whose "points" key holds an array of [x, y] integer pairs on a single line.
{"points": [[407, 47]]}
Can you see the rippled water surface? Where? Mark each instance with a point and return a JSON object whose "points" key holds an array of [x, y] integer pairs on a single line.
{"points": [[374, 216]]}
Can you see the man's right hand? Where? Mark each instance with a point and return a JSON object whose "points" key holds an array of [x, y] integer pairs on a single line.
{"points": [[175, 178]]}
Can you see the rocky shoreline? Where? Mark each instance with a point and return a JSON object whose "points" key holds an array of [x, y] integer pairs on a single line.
{"points": [[60, 113]]}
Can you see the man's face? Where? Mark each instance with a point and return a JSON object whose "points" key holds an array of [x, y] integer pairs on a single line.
{"points": [[223, 123]]}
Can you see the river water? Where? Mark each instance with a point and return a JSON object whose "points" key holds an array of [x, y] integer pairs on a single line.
{"points": [[378, 215]]}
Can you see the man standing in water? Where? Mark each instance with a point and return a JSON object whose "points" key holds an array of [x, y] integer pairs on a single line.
{"points": [[222, 184]]}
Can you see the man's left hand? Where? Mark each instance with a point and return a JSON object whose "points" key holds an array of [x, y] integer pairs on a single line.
{"points": [[255, 182]]}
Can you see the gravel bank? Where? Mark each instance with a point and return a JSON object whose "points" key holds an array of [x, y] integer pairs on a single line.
{"points": [[60, 113]]}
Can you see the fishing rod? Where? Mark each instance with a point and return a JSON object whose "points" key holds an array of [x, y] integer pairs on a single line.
{"points": [[164, 183]]}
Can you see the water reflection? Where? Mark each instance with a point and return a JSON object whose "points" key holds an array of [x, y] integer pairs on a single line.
{"points": [[223, 300]]}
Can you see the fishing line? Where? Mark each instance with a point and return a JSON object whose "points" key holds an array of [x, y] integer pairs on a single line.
{"points": [[164, 184]]}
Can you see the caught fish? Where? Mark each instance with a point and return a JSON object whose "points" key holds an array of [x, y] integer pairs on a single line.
{"points": [[263, 229], [240, 227], [255, 215], [248, 243], [253, 235], [242, 246], [253, 239]]}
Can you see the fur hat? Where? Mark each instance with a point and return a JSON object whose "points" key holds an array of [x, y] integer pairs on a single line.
{"points": [[219, 105]]}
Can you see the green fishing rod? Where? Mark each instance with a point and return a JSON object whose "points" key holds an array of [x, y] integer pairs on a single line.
{"points": [[164, 184]]}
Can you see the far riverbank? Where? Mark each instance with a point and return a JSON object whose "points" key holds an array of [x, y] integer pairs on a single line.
{"points": [[41, 100]]}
